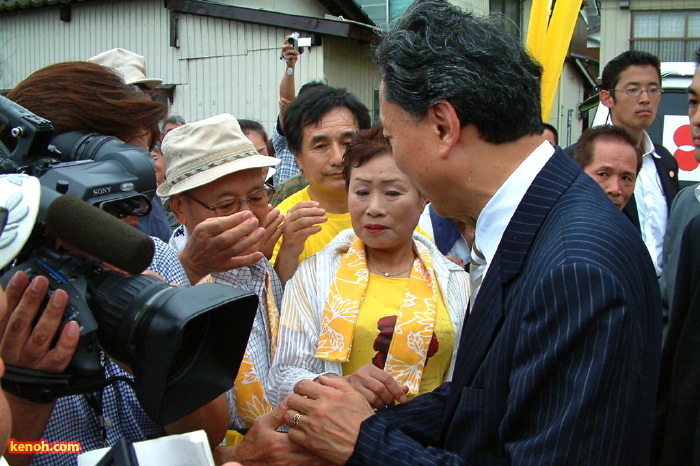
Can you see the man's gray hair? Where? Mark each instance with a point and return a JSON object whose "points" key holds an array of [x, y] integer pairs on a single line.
{"points": [[436, 51], [177, 119]]}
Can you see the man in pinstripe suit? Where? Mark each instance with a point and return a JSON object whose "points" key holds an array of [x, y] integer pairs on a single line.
{"points": [[558, 361]]}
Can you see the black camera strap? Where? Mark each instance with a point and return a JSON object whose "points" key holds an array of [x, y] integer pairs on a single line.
{"points": [[45, 387]]}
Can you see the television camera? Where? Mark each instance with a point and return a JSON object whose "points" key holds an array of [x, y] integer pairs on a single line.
{"points": [[183, 344]]}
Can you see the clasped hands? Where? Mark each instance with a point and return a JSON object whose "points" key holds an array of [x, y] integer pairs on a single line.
{"points": [[324, 418]]}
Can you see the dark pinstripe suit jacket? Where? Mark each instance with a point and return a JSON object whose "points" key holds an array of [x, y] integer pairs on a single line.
{"points": [[559, 359]]}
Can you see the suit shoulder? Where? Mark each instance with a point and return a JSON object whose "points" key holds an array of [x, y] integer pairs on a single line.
{"points": [[585, 226]]}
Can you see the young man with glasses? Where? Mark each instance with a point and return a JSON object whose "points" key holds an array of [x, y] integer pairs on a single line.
{"points": [[631, 89], [215, 180]]}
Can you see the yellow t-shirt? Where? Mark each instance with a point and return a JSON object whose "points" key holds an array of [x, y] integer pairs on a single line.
{"points": [[329, 229], [375, 328]]}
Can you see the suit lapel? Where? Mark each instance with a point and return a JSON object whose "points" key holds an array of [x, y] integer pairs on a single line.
{"points": [[488, 312], [667, 176]]}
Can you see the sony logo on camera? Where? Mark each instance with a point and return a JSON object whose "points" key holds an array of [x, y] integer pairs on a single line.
{"points": [[100, 191]]}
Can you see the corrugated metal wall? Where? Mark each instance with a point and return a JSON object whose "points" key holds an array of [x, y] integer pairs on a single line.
{"points": [[221, 65], [349, 64], [33, 38], [234, 67]]}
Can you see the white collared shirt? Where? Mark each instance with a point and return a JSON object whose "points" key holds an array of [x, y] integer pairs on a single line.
{"points": [[496, 215], [651, 205]]}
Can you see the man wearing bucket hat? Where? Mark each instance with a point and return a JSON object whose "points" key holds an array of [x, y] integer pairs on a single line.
{"points": [[216, 185]]}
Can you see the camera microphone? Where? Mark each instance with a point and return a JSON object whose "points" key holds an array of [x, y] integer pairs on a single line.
{"points": [[96, 232]]}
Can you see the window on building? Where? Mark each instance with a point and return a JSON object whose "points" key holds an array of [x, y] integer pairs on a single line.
{"points": [[670, 35]]}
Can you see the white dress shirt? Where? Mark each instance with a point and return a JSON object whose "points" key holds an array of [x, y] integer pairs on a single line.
{"points": [[651, 205], [496, 215]]}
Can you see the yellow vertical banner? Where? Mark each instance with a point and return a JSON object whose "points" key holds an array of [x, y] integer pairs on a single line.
{"points": [[557, 40], [537, 28]]}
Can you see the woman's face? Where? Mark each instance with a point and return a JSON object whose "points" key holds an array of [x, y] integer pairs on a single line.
{"points": [[384, 205]]}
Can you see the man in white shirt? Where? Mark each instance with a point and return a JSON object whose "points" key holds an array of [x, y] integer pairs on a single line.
{"points": [[631, 89]]}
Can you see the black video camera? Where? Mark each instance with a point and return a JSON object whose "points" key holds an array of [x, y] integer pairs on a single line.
{"points": [[184, 345], [101, 170]]}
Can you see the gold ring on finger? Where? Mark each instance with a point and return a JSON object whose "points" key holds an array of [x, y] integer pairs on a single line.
{"points": [[296, 418]]}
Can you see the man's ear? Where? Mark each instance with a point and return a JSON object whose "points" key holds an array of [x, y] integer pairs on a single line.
{"points": [[446, 121], [423, 202], [607, 98], [297, 159], [177, 207]]}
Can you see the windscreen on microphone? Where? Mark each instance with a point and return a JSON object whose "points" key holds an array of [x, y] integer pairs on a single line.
{"points": [[98, 234]]}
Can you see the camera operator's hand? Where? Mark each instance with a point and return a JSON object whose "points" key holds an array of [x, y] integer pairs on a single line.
{"points": [[24, 346], [27, 345], [219, 244]]}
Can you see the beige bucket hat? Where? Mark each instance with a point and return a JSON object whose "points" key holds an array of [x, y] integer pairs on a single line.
{"points": [[198, 153], [131, 66]]}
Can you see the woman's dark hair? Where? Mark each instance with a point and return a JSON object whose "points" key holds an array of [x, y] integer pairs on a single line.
{"points": [[366, 144], [84, 96], [248, 126]]}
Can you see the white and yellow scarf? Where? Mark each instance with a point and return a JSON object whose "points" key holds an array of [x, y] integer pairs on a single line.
{"points": [[250, 395], [415, 321]]}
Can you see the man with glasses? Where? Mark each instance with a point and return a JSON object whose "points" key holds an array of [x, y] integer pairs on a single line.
{"points": [[631, 89], [215, 180]]}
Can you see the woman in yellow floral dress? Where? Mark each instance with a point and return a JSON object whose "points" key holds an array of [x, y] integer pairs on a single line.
{"points": [[380, 305]]}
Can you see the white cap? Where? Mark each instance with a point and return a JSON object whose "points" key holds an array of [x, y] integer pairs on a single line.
{"points": [[131, 66]]}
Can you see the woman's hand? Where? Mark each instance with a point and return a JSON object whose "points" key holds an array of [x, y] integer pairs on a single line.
{"points": [[379, 388]]}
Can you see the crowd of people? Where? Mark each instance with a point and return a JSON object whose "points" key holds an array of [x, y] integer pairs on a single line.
{"points": [[446, 286]]}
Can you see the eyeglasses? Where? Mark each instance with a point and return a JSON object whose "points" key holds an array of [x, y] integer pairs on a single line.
{"points": [[637, 91], [231, 206]]}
